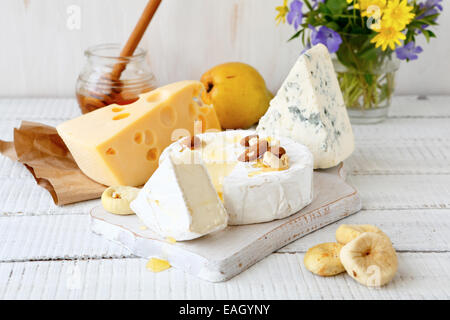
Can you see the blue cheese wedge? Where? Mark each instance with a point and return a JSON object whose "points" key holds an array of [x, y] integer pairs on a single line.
{"points": [[179, 201], [309, 108]]}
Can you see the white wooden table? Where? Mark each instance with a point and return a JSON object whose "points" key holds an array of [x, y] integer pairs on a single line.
{"points": [[401, 168]]}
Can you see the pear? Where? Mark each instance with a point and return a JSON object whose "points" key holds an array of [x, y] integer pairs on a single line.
{"points": [[238, 93]]}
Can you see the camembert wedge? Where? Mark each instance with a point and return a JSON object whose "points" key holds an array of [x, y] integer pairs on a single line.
{"points": [[179, 200]]}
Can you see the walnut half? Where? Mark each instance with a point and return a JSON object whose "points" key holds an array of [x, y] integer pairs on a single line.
{"points": [[273, 161]]}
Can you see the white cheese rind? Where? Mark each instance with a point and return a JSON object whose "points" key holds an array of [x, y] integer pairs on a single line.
{"points": [[309, 108], [273, 195], [168, 205], [265, 196]]}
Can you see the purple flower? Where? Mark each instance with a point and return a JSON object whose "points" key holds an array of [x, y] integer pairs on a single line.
{"points": [[328, 37], [316, 3], [295, 14], [408, 52], [429, 4], [431, 7]]}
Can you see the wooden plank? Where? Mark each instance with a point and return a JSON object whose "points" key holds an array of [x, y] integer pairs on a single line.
{"points": [[280, 276], [67, 108], [403, 191], [25, 197], [200, 34], [53, 237], [13, 170], [35, 109], [420, 107], [69, 236], [399, 157], [57, 72], [396, 131], [7, 126], [417, 149], [226, 33], [409, 230]]}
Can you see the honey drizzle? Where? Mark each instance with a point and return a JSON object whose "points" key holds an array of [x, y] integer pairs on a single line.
{"points": [[264, 168]]}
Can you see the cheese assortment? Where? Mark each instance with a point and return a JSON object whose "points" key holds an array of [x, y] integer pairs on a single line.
{"points": [[309, 108], [179, 200], [121, 145], [208, 179], [253, 188]]}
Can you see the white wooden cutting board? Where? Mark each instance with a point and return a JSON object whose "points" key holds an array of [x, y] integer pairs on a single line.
{"points": [[224, 254]]}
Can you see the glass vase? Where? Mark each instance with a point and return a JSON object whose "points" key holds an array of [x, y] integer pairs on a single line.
{"points": [[367, 81]]}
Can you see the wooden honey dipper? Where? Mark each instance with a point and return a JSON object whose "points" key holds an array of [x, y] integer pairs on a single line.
{"points": [[100, 100], [135, 37]]}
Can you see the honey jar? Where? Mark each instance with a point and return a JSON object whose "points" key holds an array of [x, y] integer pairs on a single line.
{"points": [[108, 78]]}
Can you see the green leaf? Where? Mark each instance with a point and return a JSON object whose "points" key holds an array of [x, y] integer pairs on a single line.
{"points": [[308, 5], [432, 34], [426, 33], [332, 25], [369, 78], [296, 35], [345, 56], [311, 19], [370, 54], [336, 6], [323, 9]]}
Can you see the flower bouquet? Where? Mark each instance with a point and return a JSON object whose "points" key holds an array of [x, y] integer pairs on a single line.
{"points": [[368, 38]]}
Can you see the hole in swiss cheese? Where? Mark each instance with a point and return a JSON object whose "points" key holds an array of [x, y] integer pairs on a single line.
{"points": [[152, 154], [168, 116], [121, 116], [138, 137], [110, 152], [149, 137]]}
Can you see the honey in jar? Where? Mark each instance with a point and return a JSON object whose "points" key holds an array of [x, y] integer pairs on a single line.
{"points": [[100, 85]]}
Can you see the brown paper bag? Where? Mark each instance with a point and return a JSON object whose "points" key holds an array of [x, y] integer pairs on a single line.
{"points": [[44, 153]]}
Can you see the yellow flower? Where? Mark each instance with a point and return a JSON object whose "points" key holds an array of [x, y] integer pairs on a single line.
{"points": [[282, 12], [387, 36], [370, 7], [397, 14]]}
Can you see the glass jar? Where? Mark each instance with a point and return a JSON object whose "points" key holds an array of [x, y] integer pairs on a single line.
{"points": [[100, 83]]}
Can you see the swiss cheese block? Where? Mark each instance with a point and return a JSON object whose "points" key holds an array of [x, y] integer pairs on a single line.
{"points": [[179, 200], [209, 122], [121, 145], [309, 109]]}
